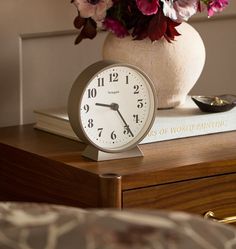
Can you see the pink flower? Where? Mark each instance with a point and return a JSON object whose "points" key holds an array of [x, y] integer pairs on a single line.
{"points": [[216, 6], [148, 7], [180, 10], [96, 9], [116, 27]]}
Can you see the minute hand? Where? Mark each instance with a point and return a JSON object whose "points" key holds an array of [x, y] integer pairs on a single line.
{"points": [[115, 107], [125, 122]]}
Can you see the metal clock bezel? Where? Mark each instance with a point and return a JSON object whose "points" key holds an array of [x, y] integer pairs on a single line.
{"points": [[75, 99]]}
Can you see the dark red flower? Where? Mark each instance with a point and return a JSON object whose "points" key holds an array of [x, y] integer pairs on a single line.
{"points": [[141, 19], [116, 27], [88, 28]]}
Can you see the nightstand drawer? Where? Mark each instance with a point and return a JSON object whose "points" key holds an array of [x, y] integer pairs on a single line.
{"points": [[217, 194]]}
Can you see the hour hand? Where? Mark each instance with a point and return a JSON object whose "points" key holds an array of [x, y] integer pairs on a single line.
{"points": [[113, 106]]}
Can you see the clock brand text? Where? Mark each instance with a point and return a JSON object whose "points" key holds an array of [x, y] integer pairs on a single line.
{"points": [[113, 92]]}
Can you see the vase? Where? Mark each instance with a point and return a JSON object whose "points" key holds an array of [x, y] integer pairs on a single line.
{"points": [[173, 67]]}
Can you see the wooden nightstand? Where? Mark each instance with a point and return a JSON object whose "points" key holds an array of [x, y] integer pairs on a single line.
{"points": [[195, 174]]}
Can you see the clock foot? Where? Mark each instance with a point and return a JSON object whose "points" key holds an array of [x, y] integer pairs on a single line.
{"points": [[97, 155]]}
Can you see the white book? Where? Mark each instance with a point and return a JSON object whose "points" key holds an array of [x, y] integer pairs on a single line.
{"points": [[54, 121], [184, 121]]}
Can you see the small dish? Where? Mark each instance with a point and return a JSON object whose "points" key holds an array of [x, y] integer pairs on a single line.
{"points": [[219, 103]]}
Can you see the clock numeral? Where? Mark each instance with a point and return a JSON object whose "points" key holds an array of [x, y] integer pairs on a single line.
{"points": [[113, 135], [127, 79], [136, 89], [126, 130], [113, 77], [86, 108], [90, 123], [100, 132], [100, 82], [92, 93], [136, 118], [140, 103]]}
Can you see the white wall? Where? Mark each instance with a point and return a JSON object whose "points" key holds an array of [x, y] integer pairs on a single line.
{"points": [[38, 61], [219, 36]]}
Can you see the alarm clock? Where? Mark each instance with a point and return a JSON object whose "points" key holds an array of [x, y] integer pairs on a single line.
{"points": [[111, 108]]}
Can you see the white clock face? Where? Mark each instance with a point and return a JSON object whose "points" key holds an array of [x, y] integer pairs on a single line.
{"points": [[116, 108]]}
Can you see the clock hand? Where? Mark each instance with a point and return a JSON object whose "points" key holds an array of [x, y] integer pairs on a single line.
{"points": [[126, 125], [115, 107]]}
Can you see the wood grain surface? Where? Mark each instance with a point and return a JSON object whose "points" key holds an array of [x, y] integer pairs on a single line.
{"points": [[217, 194], [163, 162], [38, 166]]}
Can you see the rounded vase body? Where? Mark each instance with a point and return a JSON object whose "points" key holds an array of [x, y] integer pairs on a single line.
{"points": [[173, 67]]}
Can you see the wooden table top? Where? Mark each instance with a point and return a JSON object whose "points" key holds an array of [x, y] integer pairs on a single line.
{"points": [[163, 162]]}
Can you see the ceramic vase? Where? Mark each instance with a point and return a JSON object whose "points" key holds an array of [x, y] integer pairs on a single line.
{"points": [[173, 67]]}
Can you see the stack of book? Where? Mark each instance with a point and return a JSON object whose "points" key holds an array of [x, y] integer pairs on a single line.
{"points": [[184, 121]]}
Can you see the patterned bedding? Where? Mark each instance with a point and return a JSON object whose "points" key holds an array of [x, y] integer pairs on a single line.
{"points": [[41, 226]]}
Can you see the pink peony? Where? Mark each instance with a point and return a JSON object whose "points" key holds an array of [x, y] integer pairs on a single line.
{"points": [[96, 9], [180, 10], [148, 7], [216, 6]]}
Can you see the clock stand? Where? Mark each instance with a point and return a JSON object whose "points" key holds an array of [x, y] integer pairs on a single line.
{"points": [[98, 155]]}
